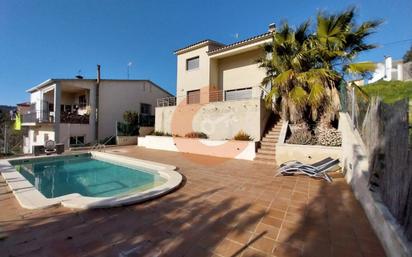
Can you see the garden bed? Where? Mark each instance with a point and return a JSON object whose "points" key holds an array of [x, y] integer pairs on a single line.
{"points": [[303, 153]]}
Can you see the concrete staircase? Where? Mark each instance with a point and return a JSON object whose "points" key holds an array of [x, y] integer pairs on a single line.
{"points": [[266, 153]]}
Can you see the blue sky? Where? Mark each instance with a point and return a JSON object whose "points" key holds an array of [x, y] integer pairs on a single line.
{"points": [[55, 39]]}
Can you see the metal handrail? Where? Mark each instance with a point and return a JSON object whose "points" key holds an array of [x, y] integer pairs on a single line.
{"points": [[101, 147], [212, 95]]}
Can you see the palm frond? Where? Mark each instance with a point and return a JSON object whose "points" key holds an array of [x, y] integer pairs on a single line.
{"points": [[360, 67]]}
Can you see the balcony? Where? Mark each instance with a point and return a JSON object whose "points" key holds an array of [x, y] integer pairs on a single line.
{"points": [[74, 118], [69, 115], [196, 96], [35, 117]]}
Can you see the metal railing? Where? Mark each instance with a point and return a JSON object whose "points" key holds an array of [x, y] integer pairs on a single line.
{"points": [[166, 101], [102, 147], [48, 117], [212, 96], [37, 117], [73, 118]]}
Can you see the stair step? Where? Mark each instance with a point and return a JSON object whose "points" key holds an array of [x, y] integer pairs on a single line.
{"points": [[268, 147], [268, 143], [263, 161], [267, 151], [276, 129], [275, 136], [270, 132], [265, 156], [269, 140]]}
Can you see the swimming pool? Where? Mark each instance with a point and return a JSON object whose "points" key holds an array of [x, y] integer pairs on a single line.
{"points": [[87, 180]]}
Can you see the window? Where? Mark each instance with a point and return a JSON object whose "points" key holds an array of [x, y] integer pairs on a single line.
{"points": [[238, 94], [82, 101], [68, 108], [46, 137], [193, 97], [192, 63], [51, 107], [76, 140], [145, 108]]}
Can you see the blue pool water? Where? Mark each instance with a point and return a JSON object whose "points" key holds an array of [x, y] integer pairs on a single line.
{"points": [[55, 177]]}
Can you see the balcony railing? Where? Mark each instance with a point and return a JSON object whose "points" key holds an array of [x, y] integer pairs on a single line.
{"points": [[166, 101], [73, 118], [37, 117], [48, 117], [195, 97]]}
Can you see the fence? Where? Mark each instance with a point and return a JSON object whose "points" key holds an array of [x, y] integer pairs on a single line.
{"points": [[146, 120], [384, 130]]}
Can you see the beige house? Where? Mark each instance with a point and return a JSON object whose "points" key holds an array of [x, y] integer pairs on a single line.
{"points": [[222, 83], [81, 111]]}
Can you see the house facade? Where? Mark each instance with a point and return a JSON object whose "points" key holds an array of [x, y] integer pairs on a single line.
{"points": [[390, 70], [82, 111], [221, 84]]}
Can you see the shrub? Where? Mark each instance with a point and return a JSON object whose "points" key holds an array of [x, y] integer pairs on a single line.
{"points": [[160, 133], [328, 137], [131, 117], [196, 135], [301, 137], [242, 136], [130, 127]]}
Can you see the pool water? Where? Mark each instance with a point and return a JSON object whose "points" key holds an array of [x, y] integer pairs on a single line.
{"points": [[86, 176]]}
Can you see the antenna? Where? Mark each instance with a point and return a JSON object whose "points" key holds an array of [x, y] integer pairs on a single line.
{"points": [[129, 65], [79, 74]]}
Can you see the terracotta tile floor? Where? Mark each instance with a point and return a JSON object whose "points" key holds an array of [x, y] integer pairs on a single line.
{"points": [[224, 208]]}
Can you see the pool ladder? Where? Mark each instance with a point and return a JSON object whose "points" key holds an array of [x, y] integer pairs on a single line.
{"points": [[101, 147]]}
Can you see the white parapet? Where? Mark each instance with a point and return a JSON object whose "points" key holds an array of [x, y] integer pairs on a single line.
{"points": [[244, 150]]}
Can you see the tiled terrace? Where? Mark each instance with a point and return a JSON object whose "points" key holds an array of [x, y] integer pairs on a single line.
{"points": [[225, 208]]}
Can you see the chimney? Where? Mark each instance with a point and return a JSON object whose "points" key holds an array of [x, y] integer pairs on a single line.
{"points": [[272, 27], [98, 74]]}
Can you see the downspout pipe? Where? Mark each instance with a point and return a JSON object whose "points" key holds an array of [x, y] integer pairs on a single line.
{"points": [[97, 103]]}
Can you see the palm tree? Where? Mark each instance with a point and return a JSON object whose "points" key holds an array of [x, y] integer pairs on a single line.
{"points": [[296, 76], [304, 69], [339, 41]]}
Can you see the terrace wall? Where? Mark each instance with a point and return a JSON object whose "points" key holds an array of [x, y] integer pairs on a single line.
{"points": [[355, 164], [219, 120]]}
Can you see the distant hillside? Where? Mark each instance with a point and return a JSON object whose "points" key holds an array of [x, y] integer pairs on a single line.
{"points": [[7, 108], [390, 91]]}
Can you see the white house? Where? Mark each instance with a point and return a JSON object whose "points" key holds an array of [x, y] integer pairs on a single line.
{"points": [[82, 111], [392, 70]]}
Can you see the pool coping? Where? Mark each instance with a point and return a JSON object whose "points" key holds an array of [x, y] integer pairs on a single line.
{"points": [[30, 198]]}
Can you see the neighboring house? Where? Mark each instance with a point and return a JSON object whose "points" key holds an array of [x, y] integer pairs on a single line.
{"points": [[225, 81], [392, 70], [23, 107], [82, 111]]}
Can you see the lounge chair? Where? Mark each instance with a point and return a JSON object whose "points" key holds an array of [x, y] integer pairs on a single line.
{"points": [[317, 169], [49, 147]]}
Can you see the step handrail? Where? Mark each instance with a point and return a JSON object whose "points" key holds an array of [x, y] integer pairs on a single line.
{"points": [[101, 147]]}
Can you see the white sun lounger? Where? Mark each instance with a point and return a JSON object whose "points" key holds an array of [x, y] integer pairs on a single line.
{"points": [[317, 169]]}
